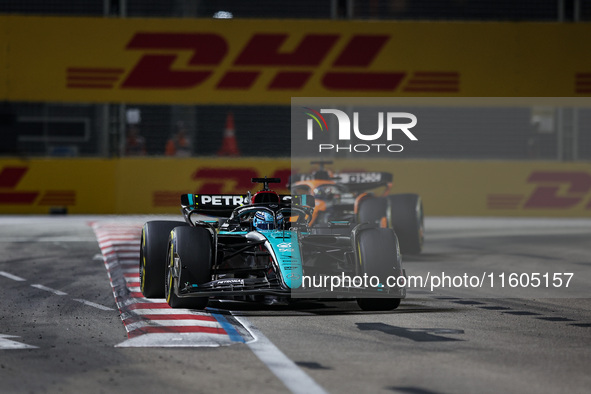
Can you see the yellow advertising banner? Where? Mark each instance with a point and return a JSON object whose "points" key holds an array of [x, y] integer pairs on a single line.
{"points": [[154, 185], [203, 61], [492, 188], [39, 186]]}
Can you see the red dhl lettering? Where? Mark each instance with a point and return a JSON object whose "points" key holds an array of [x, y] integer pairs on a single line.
{"points": [[221, 181], [553, 190], [234, 180], [10, 178], [154, 70], [559, 189], [348, 71]]}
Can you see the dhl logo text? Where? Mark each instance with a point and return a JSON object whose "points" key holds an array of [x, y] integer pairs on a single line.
{"points": [[342, 62], [553, 190], [10, 178]]}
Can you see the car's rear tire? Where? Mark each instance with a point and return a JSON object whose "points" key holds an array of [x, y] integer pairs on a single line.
{"points": [[405, 216], [190, 256], [379, 255], [371, 210], [152, 267]]}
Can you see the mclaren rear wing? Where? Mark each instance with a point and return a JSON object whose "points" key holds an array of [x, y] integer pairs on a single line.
{"points": [[354, 181], [360, 181]]}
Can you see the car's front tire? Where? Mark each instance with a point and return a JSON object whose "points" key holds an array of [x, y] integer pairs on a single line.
{"points": [[379, 255], [152, 267], [190, 256]]}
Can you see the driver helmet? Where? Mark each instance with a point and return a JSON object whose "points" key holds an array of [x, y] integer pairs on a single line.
{"points": [[264, 220]]}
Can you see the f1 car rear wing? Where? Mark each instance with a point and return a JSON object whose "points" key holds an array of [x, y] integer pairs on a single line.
{"points": [[222, 205], [354, 181], [358, 181], [214, 204]]}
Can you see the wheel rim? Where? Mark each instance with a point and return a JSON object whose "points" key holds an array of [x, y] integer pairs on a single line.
{"points": [[169, 277]]}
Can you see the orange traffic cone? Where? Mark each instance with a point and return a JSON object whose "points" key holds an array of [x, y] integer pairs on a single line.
{"points": [[229, 145]]}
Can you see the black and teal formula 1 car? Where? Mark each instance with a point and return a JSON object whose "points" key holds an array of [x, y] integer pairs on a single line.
{"points": [[261, 248]]}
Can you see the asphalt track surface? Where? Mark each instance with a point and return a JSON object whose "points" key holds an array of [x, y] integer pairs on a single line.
{"points": [[61, 329]]}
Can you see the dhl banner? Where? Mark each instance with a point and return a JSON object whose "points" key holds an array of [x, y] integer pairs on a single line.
{"points": [[198, 61], [154, 185], [38, 186]]}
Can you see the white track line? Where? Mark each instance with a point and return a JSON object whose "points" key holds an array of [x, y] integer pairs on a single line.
{"points": [[296, 380], [47, 239], [6, 343], [162, 311], [94, 305], [56, 292], [171, 323], [13, 277]]}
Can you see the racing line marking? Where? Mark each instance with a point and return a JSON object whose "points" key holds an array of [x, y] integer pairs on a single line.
{"points": [[295, 379], [57, 292], [13, 277], [10, 344], [45, 288], [93, 304]]}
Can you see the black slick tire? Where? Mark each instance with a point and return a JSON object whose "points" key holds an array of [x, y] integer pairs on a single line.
{"points": [[153, 245], [371, 210], [189, 256], [405, 216], [379, 255]]}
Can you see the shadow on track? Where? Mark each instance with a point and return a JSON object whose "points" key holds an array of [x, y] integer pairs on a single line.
{"points": [[314, 308]]}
